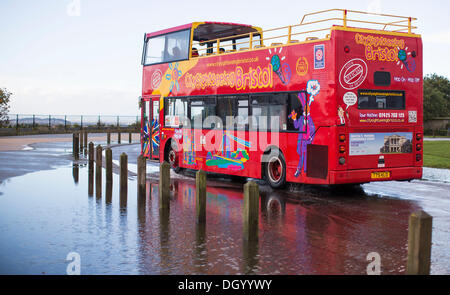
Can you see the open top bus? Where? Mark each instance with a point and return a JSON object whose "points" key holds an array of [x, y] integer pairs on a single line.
{"points": [[320, 102]]}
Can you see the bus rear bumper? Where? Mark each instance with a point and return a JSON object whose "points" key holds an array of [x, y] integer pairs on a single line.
{"points": [[365, 175]]}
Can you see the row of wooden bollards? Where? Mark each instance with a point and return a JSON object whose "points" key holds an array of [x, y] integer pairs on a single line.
{"points": [[123, 191], [251, 200], [420, 223], [80, 141], [419, 233], [108, 137]]}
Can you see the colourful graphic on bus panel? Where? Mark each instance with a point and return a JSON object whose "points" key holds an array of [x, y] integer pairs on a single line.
{"points": [[283, 70], [305, 124], [146, 140], [227, 159], [406, 59], [174, 76], [189, 155], [155, 137]]}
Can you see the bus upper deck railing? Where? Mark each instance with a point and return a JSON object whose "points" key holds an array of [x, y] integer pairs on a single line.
{"points": [[318, 22]]}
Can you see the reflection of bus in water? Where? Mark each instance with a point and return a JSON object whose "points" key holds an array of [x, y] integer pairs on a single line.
{"points": [[307, 235], [320, 106]]}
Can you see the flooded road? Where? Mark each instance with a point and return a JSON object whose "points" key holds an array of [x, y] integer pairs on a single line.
{"points": [[46, 213]]}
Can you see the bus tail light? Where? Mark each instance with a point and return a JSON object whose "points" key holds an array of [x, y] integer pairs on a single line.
{"points": [[418, 147], [418, 157], [418, 136], [342, 160], [342, 149], [342, 137]]}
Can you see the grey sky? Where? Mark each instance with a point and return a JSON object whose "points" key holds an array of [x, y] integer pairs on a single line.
{"points": [[58, 62]]}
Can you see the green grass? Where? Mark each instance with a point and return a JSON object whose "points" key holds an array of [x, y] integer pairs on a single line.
{"points": [[436, 154]]}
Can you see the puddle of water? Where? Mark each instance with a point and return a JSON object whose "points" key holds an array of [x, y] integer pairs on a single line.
{"points": [[436, 174], [302, 230], [432, 197], [45, 215]]}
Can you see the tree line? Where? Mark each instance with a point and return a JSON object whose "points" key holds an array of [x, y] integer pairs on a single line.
{"points": [[436, 97]]}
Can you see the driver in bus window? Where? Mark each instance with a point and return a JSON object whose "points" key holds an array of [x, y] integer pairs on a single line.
{"points": [[176, 53]]}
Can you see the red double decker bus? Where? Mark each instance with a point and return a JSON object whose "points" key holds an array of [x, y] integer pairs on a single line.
{"points": [[317, 102]]}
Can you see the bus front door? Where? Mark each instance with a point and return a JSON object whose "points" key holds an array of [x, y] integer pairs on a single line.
{"points": [[154, 128]]}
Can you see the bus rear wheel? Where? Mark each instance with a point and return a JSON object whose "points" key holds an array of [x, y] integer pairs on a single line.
{"points": [[276, 169]]}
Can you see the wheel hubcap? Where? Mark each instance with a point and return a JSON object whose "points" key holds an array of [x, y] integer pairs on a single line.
{"points": [[172, 158], [275, 169]]}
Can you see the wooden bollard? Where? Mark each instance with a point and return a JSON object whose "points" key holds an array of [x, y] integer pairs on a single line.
{"points": [[85, 141], [123, 180], [108, 193], [142, 176], [108, 138], [200, 196], [251, 208], [118, 137], [250, 254], [91, 170], [164, 186], [81, 137], [98, 172], [108, 156], [109, 176], [129, 137], [419, 243], [75, 146]]}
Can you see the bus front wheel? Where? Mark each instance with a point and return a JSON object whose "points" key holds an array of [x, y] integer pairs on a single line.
{"points": [[276, 169], [172, 158]]}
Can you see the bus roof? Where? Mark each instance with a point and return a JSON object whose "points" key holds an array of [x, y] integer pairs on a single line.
{"points": [[209, 30]]}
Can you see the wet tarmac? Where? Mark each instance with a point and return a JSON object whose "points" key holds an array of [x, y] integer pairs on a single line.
{"points": [[45, 213]]}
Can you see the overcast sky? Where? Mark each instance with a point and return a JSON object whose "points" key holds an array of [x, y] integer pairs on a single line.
{"points": [[83, 56]]}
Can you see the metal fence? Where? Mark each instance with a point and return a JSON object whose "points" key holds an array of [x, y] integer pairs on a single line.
{"points": [[71, 122]]}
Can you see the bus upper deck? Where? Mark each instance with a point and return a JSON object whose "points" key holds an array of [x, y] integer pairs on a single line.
{"points": [[201, 39]]}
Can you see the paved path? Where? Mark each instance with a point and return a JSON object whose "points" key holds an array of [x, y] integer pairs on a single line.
{"points": [[15, 143]]}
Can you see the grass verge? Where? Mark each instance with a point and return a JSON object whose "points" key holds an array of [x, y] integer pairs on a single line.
{"points": [[436, 154]]}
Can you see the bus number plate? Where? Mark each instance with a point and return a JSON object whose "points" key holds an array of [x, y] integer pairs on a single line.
{"points": [[378, 175]]}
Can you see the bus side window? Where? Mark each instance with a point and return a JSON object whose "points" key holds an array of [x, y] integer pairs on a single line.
{"points": [[277, 112], [225, 107], [260, 112], [294, 105], [175, 112], [242, 112], [197, 113]]}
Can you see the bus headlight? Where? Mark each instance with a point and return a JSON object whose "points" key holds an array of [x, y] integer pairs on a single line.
{"points": [[342, 160]]}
